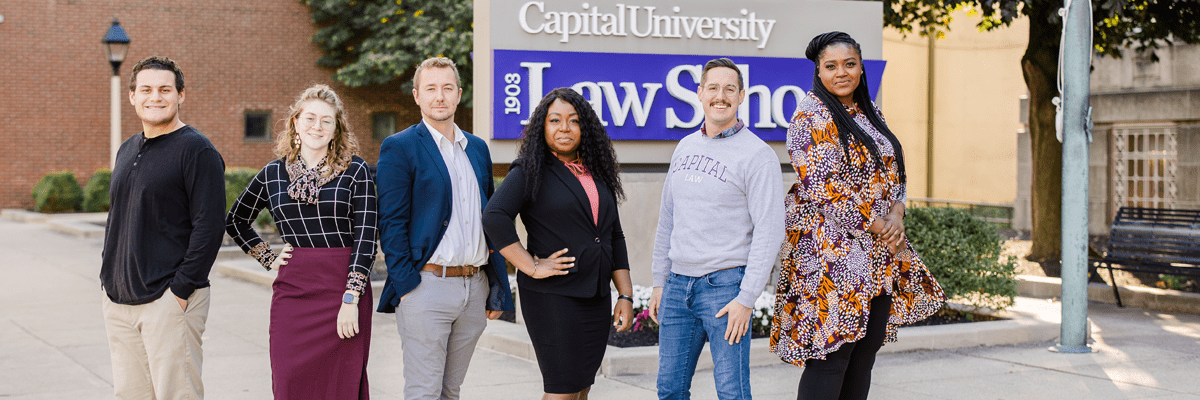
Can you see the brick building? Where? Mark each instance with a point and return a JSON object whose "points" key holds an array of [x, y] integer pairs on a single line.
{"points": [[244, 62]]}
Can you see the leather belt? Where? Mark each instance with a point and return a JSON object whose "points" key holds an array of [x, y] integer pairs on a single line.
{"points": [[447, 271]]}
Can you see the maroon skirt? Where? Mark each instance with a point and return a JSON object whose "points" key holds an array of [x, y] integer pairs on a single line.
{"points": [[308, 359]]}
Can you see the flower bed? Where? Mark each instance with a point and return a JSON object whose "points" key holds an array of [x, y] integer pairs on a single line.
{"points": [[645, 331]]}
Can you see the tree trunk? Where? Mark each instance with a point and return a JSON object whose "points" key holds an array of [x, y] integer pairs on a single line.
{"points": [[1040, 68]]}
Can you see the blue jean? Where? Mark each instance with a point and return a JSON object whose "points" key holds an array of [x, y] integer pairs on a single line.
{"points": [[687, 318]]}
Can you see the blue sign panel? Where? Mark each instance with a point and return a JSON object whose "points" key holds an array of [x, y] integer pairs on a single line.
{"points": [[649, 96]]}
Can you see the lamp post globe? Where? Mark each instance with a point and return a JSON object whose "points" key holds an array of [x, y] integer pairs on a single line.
{"points": [[116, 46]]}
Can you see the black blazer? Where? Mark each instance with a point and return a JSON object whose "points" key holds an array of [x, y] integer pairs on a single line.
{"points": [[560, 217]]}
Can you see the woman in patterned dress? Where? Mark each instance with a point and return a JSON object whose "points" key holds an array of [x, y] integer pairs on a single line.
{"points": [[849, 276], [323, 201]]}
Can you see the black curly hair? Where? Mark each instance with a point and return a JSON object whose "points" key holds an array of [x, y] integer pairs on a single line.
{"points": [[595, 148], [847, 128]]}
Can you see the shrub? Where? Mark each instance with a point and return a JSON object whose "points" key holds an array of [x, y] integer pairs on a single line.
{"points": [[236, 180], [95, 193], [963, 253], [57, 192]]}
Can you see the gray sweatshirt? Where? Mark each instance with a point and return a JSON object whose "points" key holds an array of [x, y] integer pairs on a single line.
{"points": [[722, 207]]}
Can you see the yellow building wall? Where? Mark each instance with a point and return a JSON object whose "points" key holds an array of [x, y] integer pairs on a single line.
{"points": [[977, 86]]}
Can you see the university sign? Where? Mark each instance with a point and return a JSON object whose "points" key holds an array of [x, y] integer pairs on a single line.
{"points": [[639, 64], [646, 96], [676, 26]]}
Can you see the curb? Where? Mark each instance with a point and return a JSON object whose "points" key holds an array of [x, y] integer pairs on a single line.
{"points": [[1131, 296], [77, 228], [82, 225], [19, 215], [1030, 320]]}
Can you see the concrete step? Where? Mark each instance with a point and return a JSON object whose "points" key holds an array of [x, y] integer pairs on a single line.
{"points": [[1131, 296]]}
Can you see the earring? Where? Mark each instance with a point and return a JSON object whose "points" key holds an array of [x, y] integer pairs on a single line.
{"points": [[296, 142]]}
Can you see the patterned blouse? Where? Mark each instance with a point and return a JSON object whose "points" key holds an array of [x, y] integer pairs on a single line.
{"points": [[831, 266], [345, 215]]}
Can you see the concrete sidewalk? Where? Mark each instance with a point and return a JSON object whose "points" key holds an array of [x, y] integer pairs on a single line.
{"points": [[53, 346]]}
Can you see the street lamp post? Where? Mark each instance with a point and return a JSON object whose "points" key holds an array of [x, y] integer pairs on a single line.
{"points": [[116, 45]]}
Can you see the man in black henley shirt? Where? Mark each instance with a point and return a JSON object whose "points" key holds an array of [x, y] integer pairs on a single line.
{"points": [[164, 229]]}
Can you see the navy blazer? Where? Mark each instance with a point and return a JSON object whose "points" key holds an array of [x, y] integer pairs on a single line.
{"points": [[560, 217], [414, 211]]}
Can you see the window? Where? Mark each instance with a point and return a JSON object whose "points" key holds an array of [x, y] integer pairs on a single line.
{"points": [[383, 124], [258, 125], [1143, 165]]}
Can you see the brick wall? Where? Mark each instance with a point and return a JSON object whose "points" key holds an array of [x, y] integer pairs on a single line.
{"points": [[236, 55]]}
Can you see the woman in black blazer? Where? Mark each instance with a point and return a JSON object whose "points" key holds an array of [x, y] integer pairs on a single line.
{"points": [[565, 185]]}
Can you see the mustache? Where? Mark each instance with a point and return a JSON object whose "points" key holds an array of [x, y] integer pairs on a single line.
{"points": [[720, 102]]}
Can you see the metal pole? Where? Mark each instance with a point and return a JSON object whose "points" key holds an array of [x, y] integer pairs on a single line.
{"points": [[1075, 70], [114, 125], [929, 112]]}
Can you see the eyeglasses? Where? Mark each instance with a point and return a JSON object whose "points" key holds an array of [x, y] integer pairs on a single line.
{"points": [[306, 122]]}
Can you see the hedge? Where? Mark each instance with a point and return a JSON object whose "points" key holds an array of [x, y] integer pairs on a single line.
{"points": [[963, 253], [95, 193], [57, 192], [236, 180]]}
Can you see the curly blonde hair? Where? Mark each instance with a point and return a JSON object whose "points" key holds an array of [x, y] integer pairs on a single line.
{"points": [[343, 146]]}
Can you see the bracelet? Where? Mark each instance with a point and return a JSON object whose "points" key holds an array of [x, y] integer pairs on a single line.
{"points": [[625, 297]]}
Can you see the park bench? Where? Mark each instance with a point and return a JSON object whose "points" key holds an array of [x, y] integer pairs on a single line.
{"points": [[1152, 240]]}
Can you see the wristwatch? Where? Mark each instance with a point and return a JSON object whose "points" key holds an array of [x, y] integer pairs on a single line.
{"points": [[349, 298]]}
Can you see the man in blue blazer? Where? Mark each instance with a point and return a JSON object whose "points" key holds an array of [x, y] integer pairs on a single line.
{"points": [[445, 280]]}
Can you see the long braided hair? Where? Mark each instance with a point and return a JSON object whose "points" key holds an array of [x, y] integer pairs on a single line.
{"points": [[848, 129], [595, 148]]}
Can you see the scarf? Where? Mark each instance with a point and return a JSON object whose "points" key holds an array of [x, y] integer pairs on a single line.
{"points": [[306, 183]]}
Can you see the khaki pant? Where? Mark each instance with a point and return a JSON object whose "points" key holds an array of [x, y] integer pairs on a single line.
{"points": [[156, 347], [439, 323]]}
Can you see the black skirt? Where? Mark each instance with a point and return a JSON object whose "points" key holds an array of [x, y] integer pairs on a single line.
{"points": [[569, 336]]}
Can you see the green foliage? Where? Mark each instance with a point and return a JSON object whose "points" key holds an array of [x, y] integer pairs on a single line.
{"points": [[1117, 24], [57, 192], [963, 253], [1175, 282], [236, 180], [372, 42], [95, 192], [1143, 25]]}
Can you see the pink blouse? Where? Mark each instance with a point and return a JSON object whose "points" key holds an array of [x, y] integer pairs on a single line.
{"points": [[589, 186]]}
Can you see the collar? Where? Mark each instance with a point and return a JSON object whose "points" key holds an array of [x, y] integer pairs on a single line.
{"points": [[576, 166], [725, 133], [439, 139], [851, 109]]}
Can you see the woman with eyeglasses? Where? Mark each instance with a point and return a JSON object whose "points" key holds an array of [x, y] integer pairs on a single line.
{"points": [[322, 198]]}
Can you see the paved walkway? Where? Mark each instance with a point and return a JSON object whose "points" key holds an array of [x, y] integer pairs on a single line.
{"points": [[53, 346]]}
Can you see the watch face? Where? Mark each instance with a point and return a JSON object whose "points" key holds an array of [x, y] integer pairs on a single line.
{"points": [[348, 298]]}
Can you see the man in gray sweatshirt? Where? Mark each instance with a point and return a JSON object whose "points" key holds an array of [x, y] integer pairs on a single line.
{"points": [[719, 231]]}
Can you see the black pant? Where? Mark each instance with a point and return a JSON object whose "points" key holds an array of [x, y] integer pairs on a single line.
{"points": [[846, 373]]}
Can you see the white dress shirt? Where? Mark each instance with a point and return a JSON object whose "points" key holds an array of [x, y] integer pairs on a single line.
{"points": [[463, 243]]}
